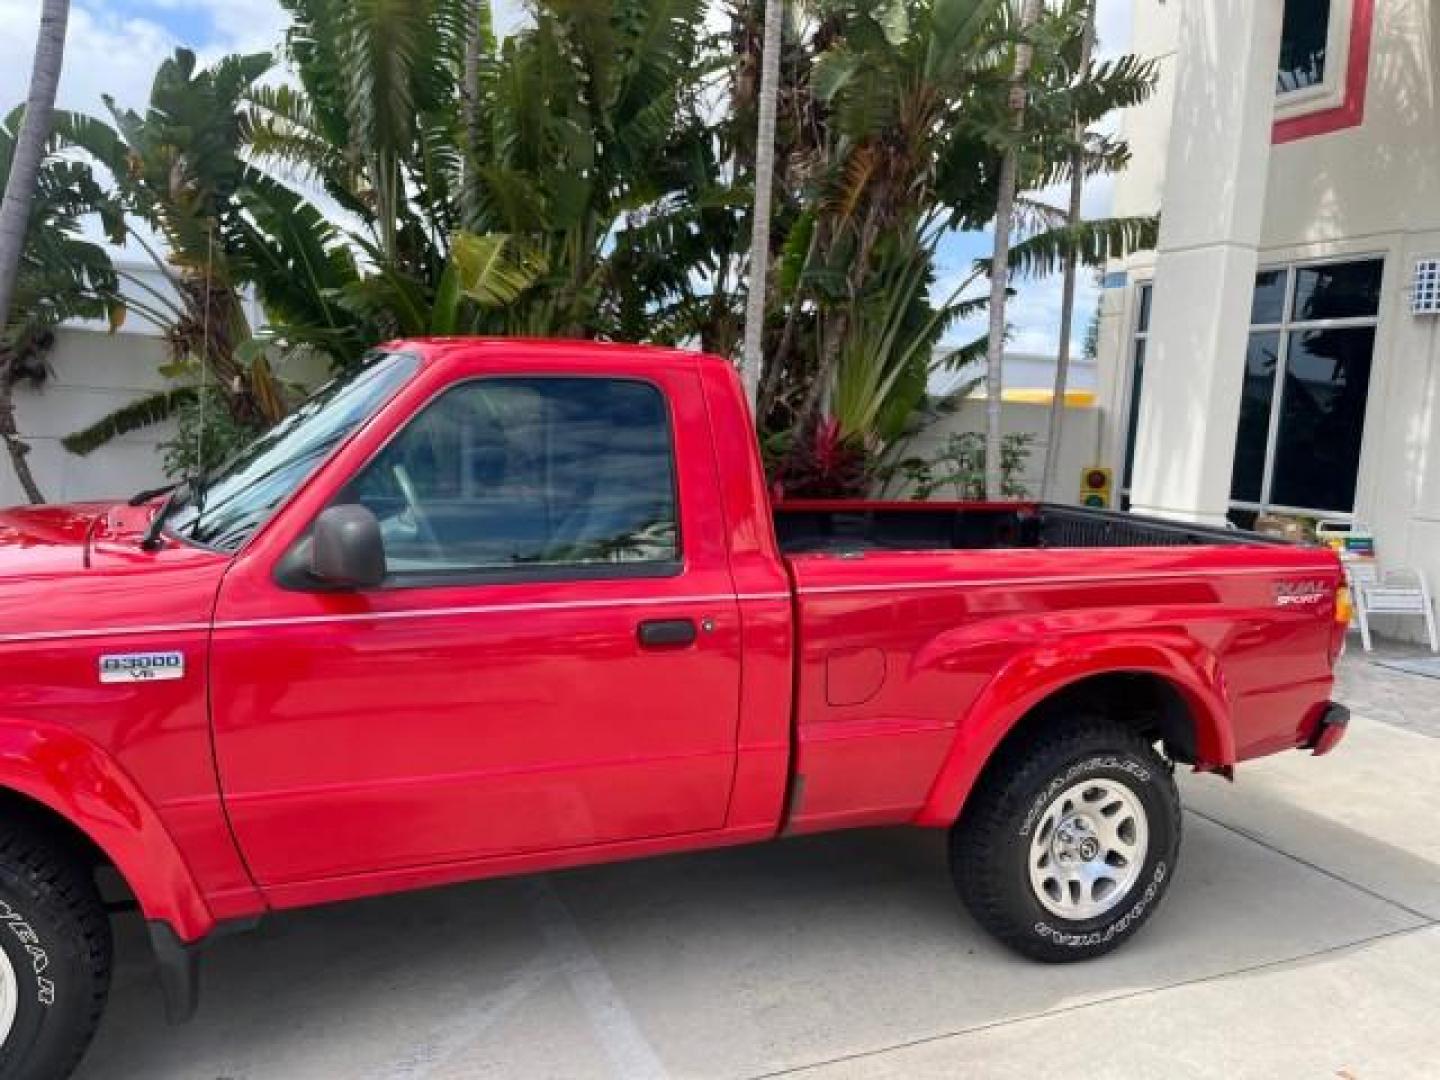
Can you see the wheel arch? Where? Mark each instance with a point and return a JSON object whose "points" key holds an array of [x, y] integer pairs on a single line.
{"points": [[1170, 689], [71, 787]]}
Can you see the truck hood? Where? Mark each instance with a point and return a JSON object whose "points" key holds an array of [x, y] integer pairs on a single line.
{"points": [[80, 568], [37, 541]]}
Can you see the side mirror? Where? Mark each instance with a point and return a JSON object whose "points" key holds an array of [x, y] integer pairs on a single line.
{"points": [[346, 549]]}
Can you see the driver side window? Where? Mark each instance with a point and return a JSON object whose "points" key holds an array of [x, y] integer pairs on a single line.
{"points": [[509, 474]]}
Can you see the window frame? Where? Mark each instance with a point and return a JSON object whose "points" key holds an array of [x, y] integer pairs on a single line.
{"points": [[1338, 102], [1138, 335], [283, 505], [292, 574], [1287, 326], [1305, 99]]}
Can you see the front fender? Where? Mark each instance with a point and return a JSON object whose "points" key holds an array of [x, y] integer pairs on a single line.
{"points": [[1036, 675], [81, 783]]}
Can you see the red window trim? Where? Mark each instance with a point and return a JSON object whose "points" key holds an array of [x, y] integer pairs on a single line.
{"points": [[1351, 111]]}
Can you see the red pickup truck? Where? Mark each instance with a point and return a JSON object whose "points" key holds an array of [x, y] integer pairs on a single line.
{"points": [[491, 607]]}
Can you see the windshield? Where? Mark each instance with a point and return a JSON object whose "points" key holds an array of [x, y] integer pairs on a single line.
{"points": [[225, 508]]}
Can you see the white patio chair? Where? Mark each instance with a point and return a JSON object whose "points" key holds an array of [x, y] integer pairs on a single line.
{"points": [[1398, 592]]}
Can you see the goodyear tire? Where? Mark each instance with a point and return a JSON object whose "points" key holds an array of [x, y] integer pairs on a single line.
{"points": [[1069, 843], [55, 951]]}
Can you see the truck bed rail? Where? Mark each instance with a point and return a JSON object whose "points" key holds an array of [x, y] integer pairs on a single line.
{"points": [[859, 526]]}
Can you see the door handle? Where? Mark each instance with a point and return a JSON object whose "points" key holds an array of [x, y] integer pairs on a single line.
{"points": [[667, 633]]}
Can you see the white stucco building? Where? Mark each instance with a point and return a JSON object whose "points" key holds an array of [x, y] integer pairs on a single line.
{"points": [[93, 372], [1267, 357]]}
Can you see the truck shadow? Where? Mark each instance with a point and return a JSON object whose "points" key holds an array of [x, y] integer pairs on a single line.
{"points": [[726, 964]]}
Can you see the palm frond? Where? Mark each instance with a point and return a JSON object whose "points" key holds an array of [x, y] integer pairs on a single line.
{"points": [[135, 416], [1091, 243]]}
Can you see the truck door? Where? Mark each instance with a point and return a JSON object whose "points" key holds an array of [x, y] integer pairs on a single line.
{"points": [[553, 661]]}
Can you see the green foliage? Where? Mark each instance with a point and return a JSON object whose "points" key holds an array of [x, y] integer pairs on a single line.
{"points": [[1091, 346], [552, 200], [180, 168], [1093, 243], [591, 176], [61, 275], [905, 103], [134, 416], [957, 470], [206, 434]]}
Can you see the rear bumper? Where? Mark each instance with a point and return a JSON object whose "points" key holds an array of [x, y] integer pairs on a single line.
{"points": [[1334, 722]]}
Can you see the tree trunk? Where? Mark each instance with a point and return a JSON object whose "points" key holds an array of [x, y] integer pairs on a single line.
{"points": [[1067, 301], [1000, 263], [776, 367], [15, 209], [14, 445], [478, 35], [755, 302]]}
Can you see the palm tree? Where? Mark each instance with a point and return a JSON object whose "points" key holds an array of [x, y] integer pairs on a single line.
{"points": [[224, 227], [569, 156], [894, 168], [755, 304], [177, 168], [911, 124], [1067, 298], [60, 275], [1000, 264], [15, 209]]}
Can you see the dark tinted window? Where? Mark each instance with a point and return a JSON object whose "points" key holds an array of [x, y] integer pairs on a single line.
{"points": [[1137, 387], [527, 472], [1146, 295], [1338, 291], [1261, 358], [1322, 418], [1303, 43], [1269, 303]]}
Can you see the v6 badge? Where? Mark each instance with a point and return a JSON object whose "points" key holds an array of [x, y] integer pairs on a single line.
{"points": [[141, 667]]}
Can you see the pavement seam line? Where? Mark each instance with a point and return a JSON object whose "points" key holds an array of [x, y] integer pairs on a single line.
{"points": [[1331, 874], [611, 1021], [993, 1025], [450, 1037]]}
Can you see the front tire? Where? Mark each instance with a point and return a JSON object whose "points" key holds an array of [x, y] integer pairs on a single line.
{"points": [[55, 955], [1069, 843]]}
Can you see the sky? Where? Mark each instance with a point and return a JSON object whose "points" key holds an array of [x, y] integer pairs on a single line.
{"points": [[114, 46]]}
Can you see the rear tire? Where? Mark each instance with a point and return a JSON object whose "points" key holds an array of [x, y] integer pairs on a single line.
{"points": [[55, 954], [1069, 843]]}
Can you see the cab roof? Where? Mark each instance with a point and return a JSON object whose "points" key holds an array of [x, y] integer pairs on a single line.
{"points": [[437, 349]]}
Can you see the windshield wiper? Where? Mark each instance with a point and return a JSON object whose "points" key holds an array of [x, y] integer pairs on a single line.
{"points": [[192, 486], [140, 498], [151, 540]]}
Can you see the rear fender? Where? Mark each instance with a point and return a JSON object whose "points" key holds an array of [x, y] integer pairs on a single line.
{"points": [[81, 783], [1036, 675]]}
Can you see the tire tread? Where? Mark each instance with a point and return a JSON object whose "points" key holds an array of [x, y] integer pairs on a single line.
{"points": [[979, 837], [42, 864]]}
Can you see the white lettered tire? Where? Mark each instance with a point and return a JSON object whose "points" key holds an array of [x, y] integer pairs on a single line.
{"points": [[55, 954], [1069, 844]]}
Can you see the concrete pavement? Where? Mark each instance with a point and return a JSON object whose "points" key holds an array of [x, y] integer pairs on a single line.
{"points": [[1300, 940]]}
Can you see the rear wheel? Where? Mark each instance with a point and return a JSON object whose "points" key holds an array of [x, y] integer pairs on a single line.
{"points": [[55, 952], [1069, 843]]}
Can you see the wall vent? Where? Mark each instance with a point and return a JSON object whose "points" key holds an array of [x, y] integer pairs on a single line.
{"points": [[1425, 287]]}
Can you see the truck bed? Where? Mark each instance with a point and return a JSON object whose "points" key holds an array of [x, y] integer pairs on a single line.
{"points": [[916, 620], [839, 527]]}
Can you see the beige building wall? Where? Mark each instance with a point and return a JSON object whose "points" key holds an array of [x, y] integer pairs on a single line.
{"points": [[1079, 437], [1370, 190], [93, 373]]}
